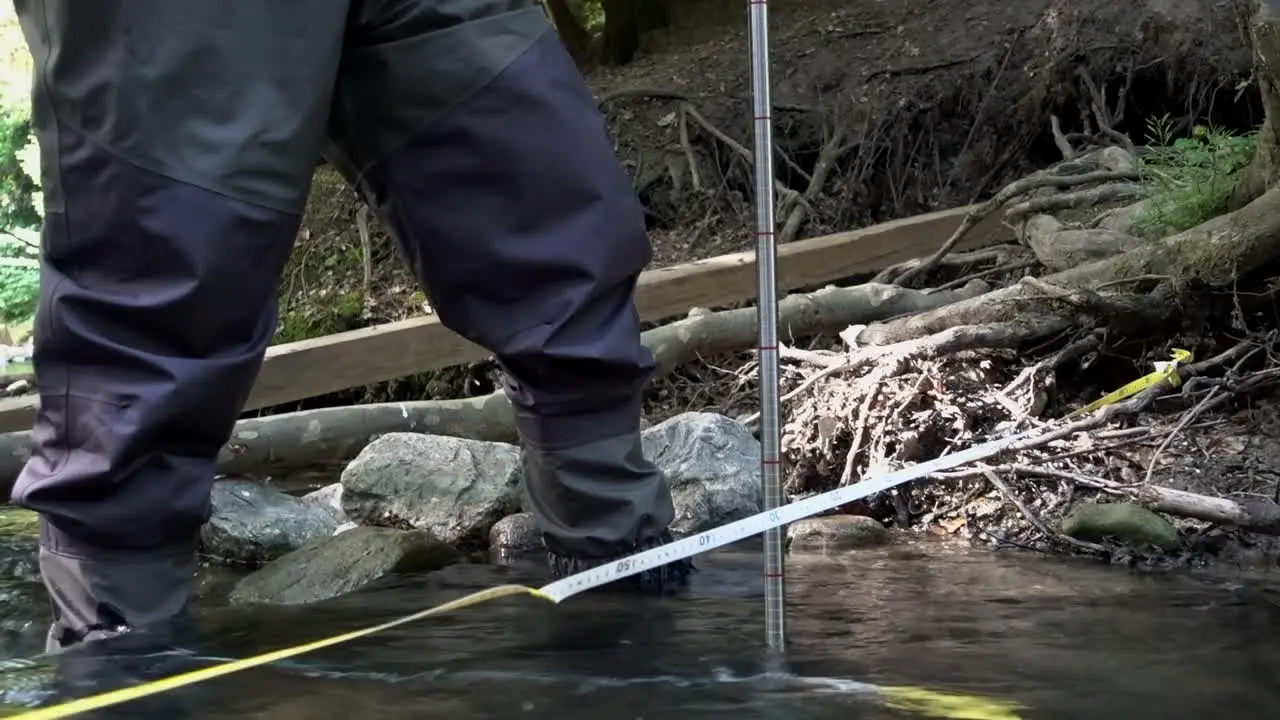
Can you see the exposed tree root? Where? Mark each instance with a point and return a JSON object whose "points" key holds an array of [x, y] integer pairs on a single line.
{"points": [[1211, 255], [1080, 199], [1110, 170]]}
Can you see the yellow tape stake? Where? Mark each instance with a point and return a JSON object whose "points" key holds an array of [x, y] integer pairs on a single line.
{"points": [[123, 695], [1165, 370]]}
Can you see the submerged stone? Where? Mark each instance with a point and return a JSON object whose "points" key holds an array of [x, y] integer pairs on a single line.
{"points": [[343, 563], [516, 533], [835, 533]]}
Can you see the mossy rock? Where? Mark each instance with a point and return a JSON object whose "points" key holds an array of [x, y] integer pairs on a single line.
{"points": [[333, 566], [1124, 523]]}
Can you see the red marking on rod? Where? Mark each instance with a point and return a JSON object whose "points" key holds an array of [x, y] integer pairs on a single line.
{"points": [[762, 117], [771, 462], [764, 233], [768, 348], [774, 575]]}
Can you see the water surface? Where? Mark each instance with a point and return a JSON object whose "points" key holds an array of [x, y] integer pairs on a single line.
{"points": [[1063, 639]]}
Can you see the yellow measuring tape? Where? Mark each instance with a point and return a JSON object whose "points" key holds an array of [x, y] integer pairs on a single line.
{"points": [[1165, 370], [930, 703], [123, 695], [936, 704], [921, 700]]}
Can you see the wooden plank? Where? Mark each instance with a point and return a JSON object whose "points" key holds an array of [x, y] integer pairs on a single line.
{"points": [[308, 368]]}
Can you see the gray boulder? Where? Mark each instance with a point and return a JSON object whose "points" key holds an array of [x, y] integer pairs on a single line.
{"points": [[836, 533], [453, 487], [332, 566], [253, 524], [712, 463], [516, 533]]}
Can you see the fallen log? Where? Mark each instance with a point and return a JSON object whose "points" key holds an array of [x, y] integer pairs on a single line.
{"points": [[1255, 514], [325, 438], [309, 368]]}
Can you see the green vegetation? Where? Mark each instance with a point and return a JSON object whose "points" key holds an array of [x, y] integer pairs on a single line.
{"points": [[1192, 178], [314, 320], [321, 291], [19, 222], [20, 200]]}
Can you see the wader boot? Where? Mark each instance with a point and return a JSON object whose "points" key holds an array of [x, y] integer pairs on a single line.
{"points": [[103, 594], [597, 497], [178, 140], [132, 659]]}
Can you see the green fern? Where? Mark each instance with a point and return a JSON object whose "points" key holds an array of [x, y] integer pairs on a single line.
{"points": [[1192, 178]]}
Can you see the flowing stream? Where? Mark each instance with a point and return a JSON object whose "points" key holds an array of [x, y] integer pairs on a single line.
{"points": [[1062, 639]]}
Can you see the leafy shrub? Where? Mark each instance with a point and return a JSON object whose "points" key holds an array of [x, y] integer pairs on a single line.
{"points": [[19, 216], [1192, 177], [19, 275]]}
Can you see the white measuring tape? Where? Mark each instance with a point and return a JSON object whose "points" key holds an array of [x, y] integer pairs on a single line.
{"points": [[760, 522], [602, 575]]}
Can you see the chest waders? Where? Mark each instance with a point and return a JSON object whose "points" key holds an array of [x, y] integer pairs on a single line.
{"points": [[178, 140]]}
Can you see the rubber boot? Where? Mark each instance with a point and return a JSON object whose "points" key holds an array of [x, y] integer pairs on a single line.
{"points": [[112, 593], [110, 662], [599, 502], [120, 620]]}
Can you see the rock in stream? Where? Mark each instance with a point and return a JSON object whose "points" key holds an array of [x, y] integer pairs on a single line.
{"points": [[328, 499], [836, 533], [1123, 522], [516, 534], [331, 566], [712, 464], [253, 524], [453, 487], [460, 489]]}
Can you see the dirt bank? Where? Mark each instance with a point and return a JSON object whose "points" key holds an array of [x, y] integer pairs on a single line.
{"points": [[883, 110]]}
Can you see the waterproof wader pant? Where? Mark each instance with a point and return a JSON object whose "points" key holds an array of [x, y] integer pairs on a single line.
{"points": [[178, 139]]}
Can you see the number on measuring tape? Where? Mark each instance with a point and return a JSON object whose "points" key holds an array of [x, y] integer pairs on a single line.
{"points": [[774, 516], [703, 539], [623, 566]]}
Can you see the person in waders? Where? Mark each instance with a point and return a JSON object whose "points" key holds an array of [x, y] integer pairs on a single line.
{"points": [[178, 139]]}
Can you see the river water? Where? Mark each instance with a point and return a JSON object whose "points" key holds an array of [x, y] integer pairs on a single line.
{"points": [[1061, 639]]}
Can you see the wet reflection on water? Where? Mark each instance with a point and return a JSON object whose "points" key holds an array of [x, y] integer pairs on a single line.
{"points": [[1066, 639]]}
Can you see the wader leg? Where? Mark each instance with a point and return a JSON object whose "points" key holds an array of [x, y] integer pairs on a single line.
{"points": [[471, 132], [177, 142]]}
